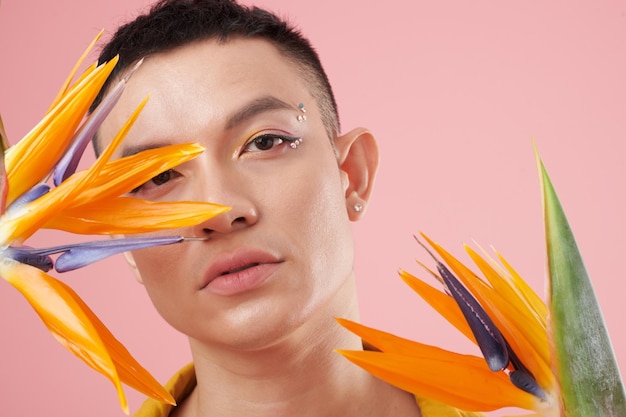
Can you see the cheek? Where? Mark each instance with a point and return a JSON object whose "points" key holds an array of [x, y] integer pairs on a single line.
{"points": [[331, 229], [320, 222], [154, 260], [161, 274], [311, 196]]}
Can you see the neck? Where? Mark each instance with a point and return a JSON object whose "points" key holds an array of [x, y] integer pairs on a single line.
{"points": [[300, 375]]}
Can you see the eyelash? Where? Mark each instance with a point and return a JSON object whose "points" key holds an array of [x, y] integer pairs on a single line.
{"points": [[156, 180], [273, 136]]}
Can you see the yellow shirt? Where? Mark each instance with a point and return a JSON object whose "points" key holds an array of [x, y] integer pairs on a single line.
{"points": [[184, 381]]}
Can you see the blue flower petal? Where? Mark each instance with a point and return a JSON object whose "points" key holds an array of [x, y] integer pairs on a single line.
{"points": [[77, 255], [30, 257], [84, 254], [490, 340], [526, 382], [30, 195], [69, 161]]}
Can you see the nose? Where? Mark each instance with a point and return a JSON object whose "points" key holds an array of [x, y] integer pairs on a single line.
{"points": [[228, 191], [240, 216]]}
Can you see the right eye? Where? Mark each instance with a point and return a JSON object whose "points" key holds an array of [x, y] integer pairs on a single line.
{"points": [[267, 142], [157, 181]]}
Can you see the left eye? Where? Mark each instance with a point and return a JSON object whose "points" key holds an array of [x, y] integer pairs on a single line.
{"points": [[267, 142], [157, 181]]}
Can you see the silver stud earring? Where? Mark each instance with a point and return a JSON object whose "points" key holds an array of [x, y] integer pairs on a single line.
{"points": [[358, 207], [302, 116]]}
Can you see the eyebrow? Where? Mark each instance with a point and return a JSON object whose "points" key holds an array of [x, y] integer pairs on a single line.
{"points": [[256, 107], [253, 108], [133, 150]]}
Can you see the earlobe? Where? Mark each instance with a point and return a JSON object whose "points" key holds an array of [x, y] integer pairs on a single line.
{"points": [[130, 260], [357, 153]]}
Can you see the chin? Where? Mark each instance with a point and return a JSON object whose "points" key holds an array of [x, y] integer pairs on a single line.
{"points": [[262, 326]]}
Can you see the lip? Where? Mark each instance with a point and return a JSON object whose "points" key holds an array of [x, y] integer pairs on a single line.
{"points": [[239, 271]]}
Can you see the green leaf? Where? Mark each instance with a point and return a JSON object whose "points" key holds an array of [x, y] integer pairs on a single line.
{"points": [[585, 363]]}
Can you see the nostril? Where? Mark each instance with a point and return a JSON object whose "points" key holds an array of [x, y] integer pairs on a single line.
{"points": [[227, 226]]}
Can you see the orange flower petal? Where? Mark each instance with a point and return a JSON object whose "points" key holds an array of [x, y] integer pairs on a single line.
{"points": [[515, 310], [122, 175], [462, 381], [441, 302], [528, 341], [77, 189], [519, 295], [77, 328], [25, 221], [536, 304], [31, 159], [70, 77], [125, 215]]}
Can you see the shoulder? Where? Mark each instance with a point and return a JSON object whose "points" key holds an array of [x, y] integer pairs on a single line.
{"points": [[180, 386], [183, 382], [431, 408]]}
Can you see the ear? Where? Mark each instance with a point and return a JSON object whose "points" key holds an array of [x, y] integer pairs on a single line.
{"points": [[357, 154], [133, 266]]}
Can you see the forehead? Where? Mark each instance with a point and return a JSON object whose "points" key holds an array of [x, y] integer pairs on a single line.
{"points": [[203, 83]]}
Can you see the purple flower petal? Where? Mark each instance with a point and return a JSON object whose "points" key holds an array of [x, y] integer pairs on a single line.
{"points": [[526, 382], [30, 195], [81, 255], [69, 161], [30, 257], [490, 340], [77, 255]]}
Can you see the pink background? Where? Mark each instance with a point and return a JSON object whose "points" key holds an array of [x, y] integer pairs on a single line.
{"points": [[455, 92]]}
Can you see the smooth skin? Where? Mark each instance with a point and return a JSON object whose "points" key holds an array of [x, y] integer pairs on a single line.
{"points": [[258, 298]]}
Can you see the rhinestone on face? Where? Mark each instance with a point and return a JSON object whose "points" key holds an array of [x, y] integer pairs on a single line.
{"points": [[301, 117]]}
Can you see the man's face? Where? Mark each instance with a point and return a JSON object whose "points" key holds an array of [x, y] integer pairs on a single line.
{"points": [[285, 248]]}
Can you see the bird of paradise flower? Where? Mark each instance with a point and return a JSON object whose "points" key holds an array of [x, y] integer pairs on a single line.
{"points": [[554, 359], [40, 188]]}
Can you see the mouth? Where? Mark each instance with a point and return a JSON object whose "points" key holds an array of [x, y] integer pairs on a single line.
{"points": [[242, 268], [239, 271]]}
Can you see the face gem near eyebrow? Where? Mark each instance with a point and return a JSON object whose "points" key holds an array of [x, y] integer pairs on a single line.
{"points": [[255, 107]]}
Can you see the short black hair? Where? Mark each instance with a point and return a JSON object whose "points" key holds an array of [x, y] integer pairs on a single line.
{"points": [[170, 24]]}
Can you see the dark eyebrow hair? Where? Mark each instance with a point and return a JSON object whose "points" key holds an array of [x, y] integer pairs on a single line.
{"points": [[133, 150], [249, 110], [255, 107]]}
